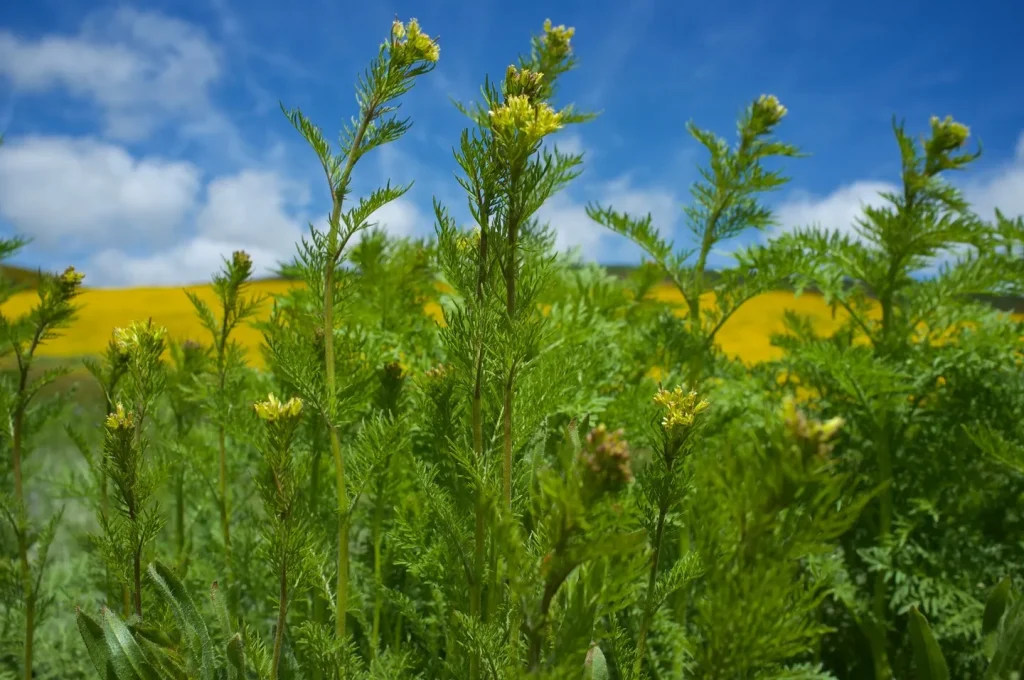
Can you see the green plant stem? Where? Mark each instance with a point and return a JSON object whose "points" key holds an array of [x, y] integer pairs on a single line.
{"points": [[17, 426], [282, 613], [225, 524], [378, 537], [652, 580], [506, 421], [17, 454], [179, 511], [479, 527], [334, 250], [316, 604], [480, 523], [133, 515]]}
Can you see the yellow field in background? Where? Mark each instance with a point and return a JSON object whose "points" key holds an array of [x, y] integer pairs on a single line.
{"points": [[746, 335]]}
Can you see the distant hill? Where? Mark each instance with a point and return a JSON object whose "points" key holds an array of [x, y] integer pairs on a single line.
{"points": [[1004, 303], [20, 275], [1014, 305]]}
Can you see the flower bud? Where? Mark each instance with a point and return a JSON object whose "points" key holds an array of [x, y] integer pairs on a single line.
{"points": [[605, 457], [812, 435], [557, 39], [769, 109], [947, 134], [69, 282]]}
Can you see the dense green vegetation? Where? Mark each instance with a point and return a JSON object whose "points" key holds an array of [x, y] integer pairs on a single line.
{"points": [[510, 494]]}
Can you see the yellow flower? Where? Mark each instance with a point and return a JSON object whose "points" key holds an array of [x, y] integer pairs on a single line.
{"points": [[415, 45], [681, 408], [522, 82], [120, 420], [138, 335], [812, 434], [241, 260], [273, 410], [533, 120], [71, 278]]}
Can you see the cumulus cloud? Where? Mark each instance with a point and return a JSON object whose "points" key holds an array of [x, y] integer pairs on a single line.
{"points": [[254, 208], [258, 212], [838, 210], [139, 67], [403, 218], [567, 216], [1001, 187], [194, 261], [64, 192]]}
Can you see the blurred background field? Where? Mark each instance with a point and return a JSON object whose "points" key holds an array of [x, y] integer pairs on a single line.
{"points": [[745, 336]]}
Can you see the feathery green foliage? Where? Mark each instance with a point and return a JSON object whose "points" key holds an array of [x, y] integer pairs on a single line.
{"points": [[509, 494]]}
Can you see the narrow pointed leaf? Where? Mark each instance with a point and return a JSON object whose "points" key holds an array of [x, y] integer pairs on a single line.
{"points": [[995, 607], [236, 657], [192, 625], [1009, 653], [221, 608], [128, 659], [928, 658], [95, 644], [596, 667]]}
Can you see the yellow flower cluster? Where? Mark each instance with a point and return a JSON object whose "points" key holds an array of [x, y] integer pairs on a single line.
{"points": [[416, 45], [557, 38], [523, 81], [273, 409], [138, 335], [519, 114], [681, 408], [120, 419], [72, 278]]}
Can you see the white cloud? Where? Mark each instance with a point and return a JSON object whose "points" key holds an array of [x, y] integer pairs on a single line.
{"points": [[194, 261], [254, 211], [138, 66], [64, 191], [403, 218], [574, 229], [1002, 188], [252, 207], [838, 210]]}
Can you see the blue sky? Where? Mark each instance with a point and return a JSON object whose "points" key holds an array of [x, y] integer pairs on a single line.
{"points": [[144, 141]]}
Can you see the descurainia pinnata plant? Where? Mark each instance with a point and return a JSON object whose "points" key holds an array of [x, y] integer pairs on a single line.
{"points": [[279, 482], [24, 413], [136, 519], [228, 363], [22, 338], [888, 347], [497, 271], [726, 203], [407, 54]]}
